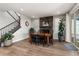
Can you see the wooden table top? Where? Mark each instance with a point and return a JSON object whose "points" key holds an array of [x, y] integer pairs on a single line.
{"points": [[43, 34]]}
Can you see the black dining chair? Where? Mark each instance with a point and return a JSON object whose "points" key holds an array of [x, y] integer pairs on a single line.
{"points": [[33, 39], [36, 39]]}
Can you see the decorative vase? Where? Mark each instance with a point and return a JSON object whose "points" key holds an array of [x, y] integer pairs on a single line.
{"points": [[8, 43], [2, 44], [61, 38]]}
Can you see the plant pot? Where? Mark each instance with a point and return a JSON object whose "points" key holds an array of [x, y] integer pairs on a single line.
{"points": [[61, 38], [8, 43], [2, 44]]}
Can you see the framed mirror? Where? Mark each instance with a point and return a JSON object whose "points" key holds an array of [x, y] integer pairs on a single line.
{"points": [[27, 23]]}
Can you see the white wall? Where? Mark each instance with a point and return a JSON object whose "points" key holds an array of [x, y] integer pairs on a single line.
{"points": [[68, 33], [23, 32], [35, 24], [5, 19], [56, 20]]}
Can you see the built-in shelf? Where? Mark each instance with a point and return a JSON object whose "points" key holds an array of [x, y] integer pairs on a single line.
{"points": [[46, 23]]}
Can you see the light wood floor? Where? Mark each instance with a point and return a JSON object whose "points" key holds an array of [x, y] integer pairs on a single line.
{"points": [[24, 48]]}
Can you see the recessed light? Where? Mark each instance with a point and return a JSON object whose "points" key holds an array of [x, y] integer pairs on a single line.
{"points": [[18, 14], [33, 16], [21, 9]]}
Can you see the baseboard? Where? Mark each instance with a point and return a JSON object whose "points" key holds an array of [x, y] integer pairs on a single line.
{"points": [[58, 40], [76, 46], [17, 40]]}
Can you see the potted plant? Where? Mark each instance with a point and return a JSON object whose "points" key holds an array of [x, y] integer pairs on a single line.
{"points": [[7, 39], [61, 30], [31, 30]]}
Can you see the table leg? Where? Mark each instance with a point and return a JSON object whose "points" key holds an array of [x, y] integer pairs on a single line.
{"points": [[30, 40], [48, 40]]}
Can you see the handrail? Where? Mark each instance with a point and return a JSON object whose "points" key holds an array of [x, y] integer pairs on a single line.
{"points": [[12, 16], [16, 21], [7, 25], [16, 14]]}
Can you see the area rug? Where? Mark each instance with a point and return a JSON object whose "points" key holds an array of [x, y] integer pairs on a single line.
{"points": [[70, 47]]}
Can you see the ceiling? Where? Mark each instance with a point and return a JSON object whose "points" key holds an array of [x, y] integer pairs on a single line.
{"points": [[38, 9]]}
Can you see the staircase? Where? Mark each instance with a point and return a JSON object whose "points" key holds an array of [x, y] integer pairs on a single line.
{"points": [[12, 27]]}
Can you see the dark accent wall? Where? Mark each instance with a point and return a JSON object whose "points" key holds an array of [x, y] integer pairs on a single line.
{"points": [[46, 24]]}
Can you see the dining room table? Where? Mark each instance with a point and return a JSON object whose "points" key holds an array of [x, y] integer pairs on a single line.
{"points": [[47, 35]]}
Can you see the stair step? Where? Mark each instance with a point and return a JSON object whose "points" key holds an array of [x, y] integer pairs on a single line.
{"points": [[15, 29]]}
